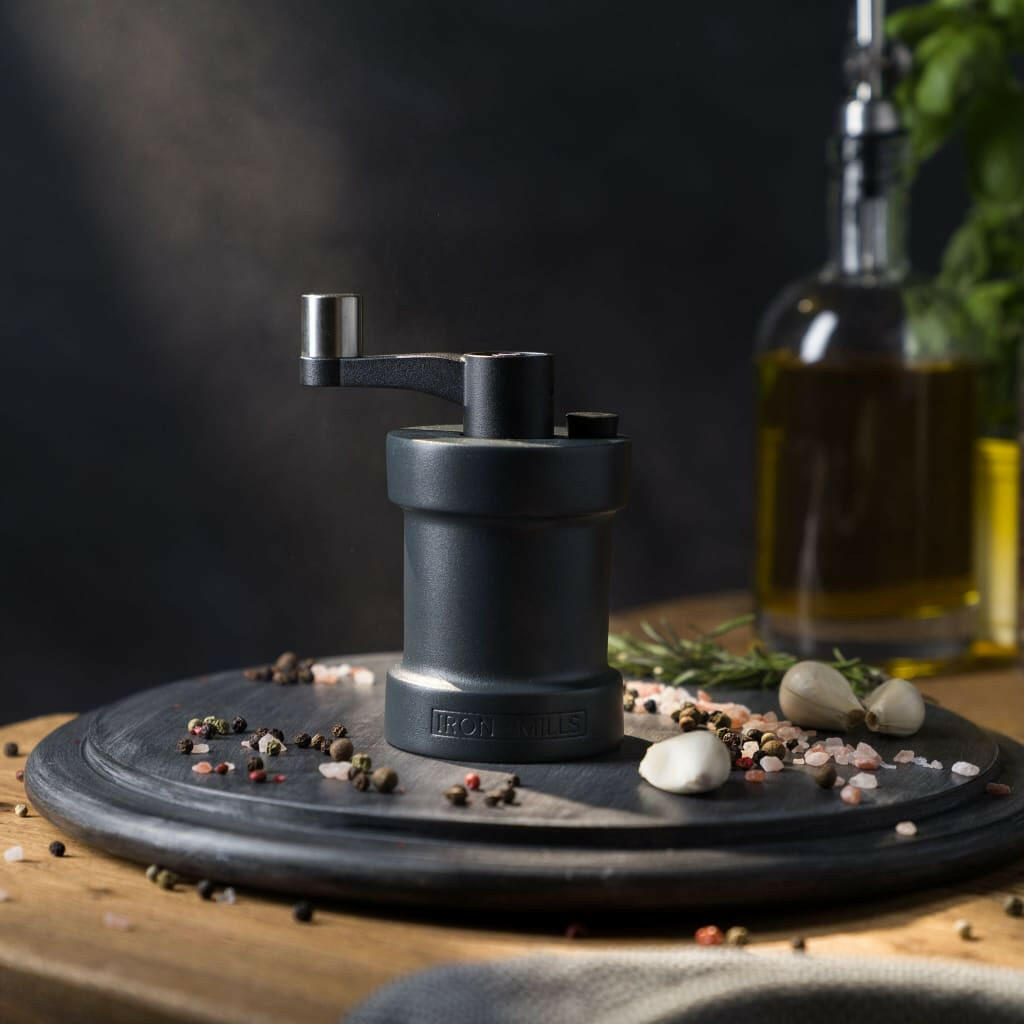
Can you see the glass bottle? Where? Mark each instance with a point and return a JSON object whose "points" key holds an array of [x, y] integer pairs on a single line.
{"points": [[886, 507]]}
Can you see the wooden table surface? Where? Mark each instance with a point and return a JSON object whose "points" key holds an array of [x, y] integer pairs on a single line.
{"points": [[186, 960]]}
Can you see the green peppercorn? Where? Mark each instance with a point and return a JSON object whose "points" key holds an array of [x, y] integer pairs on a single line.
{"points": [[675, 715], [767, 737], [338, 731], [303, 740], [361, 781], [239, 724], [254, 764], [456, 795], [151, 872], [385, 779], [272, 746], [166, 879], [185, 746], [687, 724], [774, 748], [825, 776], [204, 887], [363, 762], [628, 702]]}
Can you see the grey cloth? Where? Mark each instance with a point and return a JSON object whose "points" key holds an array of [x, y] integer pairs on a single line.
{"points": [[717, 986]]}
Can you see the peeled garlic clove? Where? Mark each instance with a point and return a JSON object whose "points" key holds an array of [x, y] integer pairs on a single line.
{"points": [[692, 762], [896, 708], [817, 695]]}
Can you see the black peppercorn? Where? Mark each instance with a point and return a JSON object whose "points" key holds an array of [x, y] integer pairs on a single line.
{"points": [[456, 795], [686, 723], [361, 781], [513, 780], [261, 732], [206, 730], [799, 943], [239, 724], [185, 746], [57, 848], [10, 749], [286, 661], [305, 675], [754, 734], [205, 889], [792, 744], [354, 770], [633, 692], [278, 735], [651, 706], [254, 764], [338, 731], [508, 794], [260, 674], [302, 740], [317, 742], [303, 912], [494, 797], [756, 756]]}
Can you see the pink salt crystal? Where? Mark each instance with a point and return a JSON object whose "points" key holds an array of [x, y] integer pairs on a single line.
{"points": [[771, 764], [849, 795], [904, 757], [816, 758], [117, 922], [864, 780], [834, 741], [866, 750], [362, 676], [921, 762], [247, 744], [818, 748], [754, 775], [200, 748], [13, 854], [937, 765], [965, 768], [906, 828], [226, 896], [866, 764], [750, 748], [843, 757], [787, 732], [202, 768], [798, 760], [998, 789]]}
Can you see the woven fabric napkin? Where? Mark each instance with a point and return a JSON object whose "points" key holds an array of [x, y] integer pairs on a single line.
{"points": [[720, 986]]}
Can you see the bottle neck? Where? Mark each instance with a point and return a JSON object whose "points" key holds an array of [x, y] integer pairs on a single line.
{"points": [[868, 211]]}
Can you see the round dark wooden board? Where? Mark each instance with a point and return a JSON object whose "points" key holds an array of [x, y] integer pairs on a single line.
{"points": [[581, 834]]}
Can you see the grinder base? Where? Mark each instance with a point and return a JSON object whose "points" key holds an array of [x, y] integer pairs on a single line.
{"points": [[523, 723]]}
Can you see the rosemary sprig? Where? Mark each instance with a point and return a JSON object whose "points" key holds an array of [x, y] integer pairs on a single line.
{"points": [[703, 662]]}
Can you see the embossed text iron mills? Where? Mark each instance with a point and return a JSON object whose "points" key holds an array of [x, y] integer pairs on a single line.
{"points": [[508, 526]]}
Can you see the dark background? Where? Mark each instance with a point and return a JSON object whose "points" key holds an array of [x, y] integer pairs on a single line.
{"points": [[625, 185]]}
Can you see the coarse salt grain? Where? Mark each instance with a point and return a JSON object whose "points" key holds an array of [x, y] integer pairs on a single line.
{"points": [[799, 760], [330, 674], [200, 748], [866, 750], [117, 922], [965, 768], [750, 748], [906, 828], [334, 769], [226, 896], [13, 854], [864, 780], [754, 775], [904, 757], [4, 895], [937, 765], [816, 758], [771, 764], [866, 764], [849, 795], [834, 741], [362, 676], [202, 768]]}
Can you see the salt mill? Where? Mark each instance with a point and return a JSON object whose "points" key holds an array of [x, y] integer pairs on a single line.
{"points": [[508, 533]]}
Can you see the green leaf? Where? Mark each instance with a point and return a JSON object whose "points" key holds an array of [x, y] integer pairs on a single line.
{"points": [[913, 23], [955, 62], [995, 148]]}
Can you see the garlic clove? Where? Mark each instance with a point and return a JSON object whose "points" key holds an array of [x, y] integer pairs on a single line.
{"points": [[817, 695], [692, 762], [896, 708]]}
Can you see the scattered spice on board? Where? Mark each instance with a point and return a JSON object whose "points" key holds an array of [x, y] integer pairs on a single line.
{"points": [[303, 740], [341, 750], [338, 731], [204, 887], [21, 810], [798, 944], [227, 896], [10, 749], [57, 848], [166, 879], [334, 769], [361, 781], [13, 854], [239, 724], [280, 778], [850, 795], [151, 872], [709, 935], [456, 795], [1014, 906], [303, 912], [362, 761], [963, 929], [19, 775], [254, 764]]}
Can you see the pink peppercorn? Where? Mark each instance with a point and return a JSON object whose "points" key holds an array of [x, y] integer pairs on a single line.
{"points": [[998, 789], [754, 775], [472, 780], [222, 768], [709, 935], [745, 763], [575, 931], [258, 776], [279, 778], [20, 775]]}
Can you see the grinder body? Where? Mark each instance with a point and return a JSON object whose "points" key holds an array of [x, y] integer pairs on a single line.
{"points": [[507, 533]]}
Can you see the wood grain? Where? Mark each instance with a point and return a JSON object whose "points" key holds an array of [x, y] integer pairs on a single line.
{"points": [[186, 960]]}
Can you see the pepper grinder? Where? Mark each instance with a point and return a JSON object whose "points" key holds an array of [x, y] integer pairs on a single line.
{"points": [[508, 531]]}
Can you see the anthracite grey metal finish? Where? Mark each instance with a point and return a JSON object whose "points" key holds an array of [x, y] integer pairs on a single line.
{"points": [[508, 526]]}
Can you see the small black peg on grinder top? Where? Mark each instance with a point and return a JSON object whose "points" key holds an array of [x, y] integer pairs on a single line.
{"points": [[507, 550]]}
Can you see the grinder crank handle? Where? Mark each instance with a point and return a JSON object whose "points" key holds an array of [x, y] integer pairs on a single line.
{"points": [[503, 394]]}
